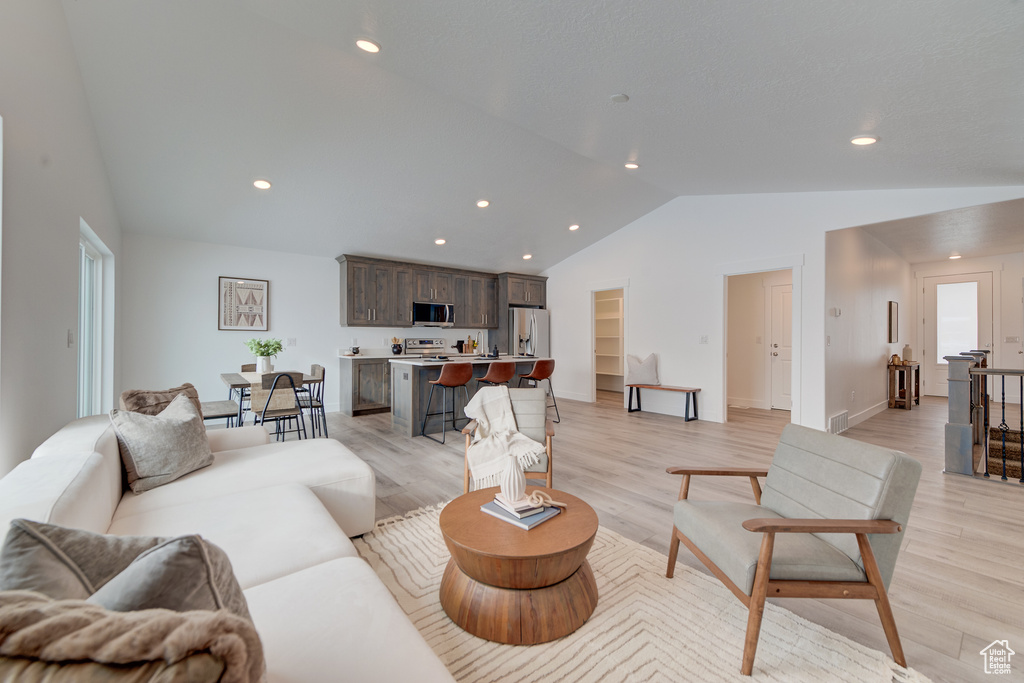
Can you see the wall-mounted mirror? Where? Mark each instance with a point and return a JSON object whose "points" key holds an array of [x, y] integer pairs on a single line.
{"points": [[894, 322]]}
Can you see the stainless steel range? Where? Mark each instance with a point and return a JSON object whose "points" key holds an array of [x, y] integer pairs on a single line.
{"points": [[424, 347]]}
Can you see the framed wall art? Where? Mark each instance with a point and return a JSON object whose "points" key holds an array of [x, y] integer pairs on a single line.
{"points": [[894, 322], [243, 304]]}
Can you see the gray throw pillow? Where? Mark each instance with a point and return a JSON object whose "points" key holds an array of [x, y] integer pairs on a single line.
{"points": [[642, 371], [119, 573], [64, 563], [181, 574], [157, 449], [153, 401]]}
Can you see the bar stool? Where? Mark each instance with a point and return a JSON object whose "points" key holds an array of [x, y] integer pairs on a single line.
{"points": [[452, 375], [543, 369], [498, 373]]}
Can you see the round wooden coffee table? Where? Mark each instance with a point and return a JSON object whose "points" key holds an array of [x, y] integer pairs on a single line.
{"points": [[514, 586]]}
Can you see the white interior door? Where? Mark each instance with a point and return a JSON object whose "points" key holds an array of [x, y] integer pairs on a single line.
{"points": [[957, 317], [782, 347]]}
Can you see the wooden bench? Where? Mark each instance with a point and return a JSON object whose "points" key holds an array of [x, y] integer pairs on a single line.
{"points": [[689, 391]]}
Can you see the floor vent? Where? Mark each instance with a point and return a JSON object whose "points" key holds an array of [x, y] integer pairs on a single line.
{"points": [[837, 424]]}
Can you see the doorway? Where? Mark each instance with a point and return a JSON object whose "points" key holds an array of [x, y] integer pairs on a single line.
{"points": [[957, 317], [609, 337], [759, 340]]}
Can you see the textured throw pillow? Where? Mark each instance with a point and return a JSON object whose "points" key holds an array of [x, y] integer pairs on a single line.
{"points": [[181, 574], [153, 402], [642, 371], [157, 449], [120, 573], [62, 562]]}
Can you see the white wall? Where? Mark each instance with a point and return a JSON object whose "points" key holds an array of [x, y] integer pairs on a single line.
{"points": [[1007, 307], [748, 334], [676, 259], [53, 178], [862, 277], [170, 309]]}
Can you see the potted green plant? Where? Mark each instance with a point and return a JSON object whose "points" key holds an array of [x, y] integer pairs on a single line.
{"points": [[264, 350]]}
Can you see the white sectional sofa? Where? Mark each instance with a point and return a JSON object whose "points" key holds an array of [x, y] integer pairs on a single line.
{"points": [[283, 513]]}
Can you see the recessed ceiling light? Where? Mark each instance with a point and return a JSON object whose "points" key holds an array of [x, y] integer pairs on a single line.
{"points": [[574, 227], [261, 184], [368, 46], [632, 165], [620, 98], [483, 203], [864, 139], [954, 257], [527, 257], [439, 241]]}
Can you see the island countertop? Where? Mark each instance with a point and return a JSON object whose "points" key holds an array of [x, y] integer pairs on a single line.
{"points": [[410, 390], [421, 361]]}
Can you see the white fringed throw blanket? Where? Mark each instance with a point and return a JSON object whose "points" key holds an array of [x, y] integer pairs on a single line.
{"points": [[496, 437]]}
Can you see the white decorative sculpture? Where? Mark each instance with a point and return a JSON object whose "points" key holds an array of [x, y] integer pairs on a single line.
{"points": [[513, 481]]}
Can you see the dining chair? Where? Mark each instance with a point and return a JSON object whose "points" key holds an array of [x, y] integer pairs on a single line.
{"points": [[275, 398], [312, 400], [242, 393]]}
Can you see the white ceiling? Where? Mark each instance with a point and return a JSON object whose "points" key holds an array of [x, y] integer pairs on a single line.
{"points": [[381, 154], [986, 230]]}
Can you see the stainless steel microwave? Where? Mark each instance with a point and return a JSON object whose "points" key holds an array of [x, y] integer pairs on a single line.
{"points": [[433, 315]]}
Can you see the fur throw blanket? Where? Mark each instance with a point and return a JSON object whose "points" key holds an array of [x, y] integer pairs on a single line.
{"points": [[496, 437], [37, 627]]}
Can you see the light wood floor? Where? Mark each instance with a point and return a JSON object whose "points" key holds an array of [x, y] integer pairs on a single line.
{"points": [[959, 582]]}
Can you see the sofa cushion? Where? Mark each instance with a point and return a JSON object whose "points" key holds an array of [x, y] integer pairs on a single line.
{"points": [[121, 573], [717, 529], [79, 490], [154, 401], [267, 532], [158, 449], [344, 484], [304, 616]]}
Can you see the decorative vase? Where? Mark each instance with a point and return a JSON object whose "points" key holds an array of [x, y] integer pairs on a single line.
{"points": [[513, 481], [396, 349], [263, 364]]}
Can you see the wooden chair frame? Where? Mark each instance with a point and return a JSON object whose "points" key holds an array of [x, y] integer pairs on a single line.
{"points": [[872, 589], [549, 433]]}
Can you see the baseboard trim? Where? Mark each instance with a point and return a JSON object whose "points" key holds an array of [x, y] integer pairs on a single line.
{"points": [[857, 418]]}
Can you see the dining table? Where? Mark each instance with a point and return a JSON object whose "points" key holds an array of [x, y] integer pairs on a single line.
{"points": [[237, 381], [243, 380]]}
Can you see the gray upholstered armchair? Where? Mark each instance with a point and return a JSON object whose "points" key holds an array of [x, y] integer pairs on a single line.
{"points": [[828, 525]]}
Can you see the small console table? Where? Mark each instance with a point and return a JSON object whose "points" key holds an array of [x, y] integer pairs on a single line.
{"points": [[904, 385]]}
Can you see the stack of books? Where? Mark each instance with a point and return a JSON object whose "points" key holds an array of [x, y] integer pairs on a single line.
{"points": [[521, 513]]}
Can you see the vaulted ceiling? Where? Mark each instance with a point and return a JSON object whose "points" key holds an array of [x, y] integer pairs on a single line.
{"points": [[511, 102]]}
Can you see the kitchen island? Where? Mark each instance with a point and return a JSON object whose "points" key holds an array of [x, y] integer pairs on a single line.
{"points": [[410, 377]]}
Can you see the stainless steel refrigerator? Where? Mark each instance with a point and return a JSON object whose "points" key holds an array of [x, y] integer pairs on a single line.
{"points": [[529, 332]]}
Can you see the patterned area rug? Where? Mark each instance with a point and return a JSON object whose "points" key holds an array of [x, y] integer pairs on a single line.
{"points": [[645, 627]]}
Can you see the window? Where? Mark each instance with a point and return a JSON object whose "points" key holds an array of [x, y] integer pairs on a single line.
{"points": [[956, 318], [90, 329]]}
